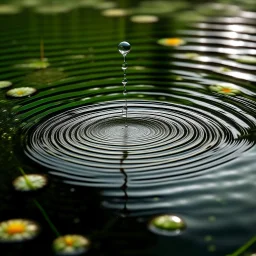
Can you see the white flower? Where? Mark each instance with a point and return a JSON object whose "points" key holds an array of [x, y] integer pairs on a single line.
{"points": [[5, 84], [17, 230], [21, 92], [225, 88], [29, 182], [70, 245], [144, 18]]}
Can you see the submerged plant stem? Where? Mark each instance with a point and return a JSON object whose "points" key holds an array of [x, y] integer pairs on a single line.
{"points": [[41, 209], [38, 205], [26, 179], [244, 247]]}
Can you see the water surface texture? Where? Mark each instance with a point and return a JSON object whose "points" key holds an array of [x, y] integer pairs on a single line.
{"points": [[187, 147]]}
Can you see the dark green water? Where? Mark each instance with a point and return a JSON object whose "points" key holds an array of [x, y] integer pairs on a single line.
{"points": [[189, 149]]}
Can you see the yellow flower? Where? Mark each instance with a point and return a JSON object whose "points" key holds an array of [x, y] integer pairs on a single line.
{"points": [[21, 92], [71, 244], [225, 88], [174, 41], [17, 230]]}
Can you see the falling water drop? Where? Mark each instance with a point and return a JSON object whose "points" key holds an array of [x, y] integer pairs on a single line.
{"points": [[124, 82], [124, 48], [124, 66]]}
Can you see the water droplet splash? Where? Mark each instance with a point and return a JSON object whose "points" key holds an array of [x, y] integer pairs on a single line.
{"points": [[124, 48]]}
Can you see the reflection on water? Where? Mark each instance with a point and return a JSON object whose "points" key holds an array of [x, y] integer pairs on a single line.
{"points": [[188, 150]]}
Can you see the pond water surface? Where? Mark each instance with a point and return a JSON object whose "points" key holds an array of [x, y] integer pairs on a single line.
{"points": [[188, 149]]}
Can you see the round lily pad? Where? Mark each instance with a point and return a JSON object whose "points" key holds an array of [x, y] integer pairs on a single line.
{"points": [[167, 224], [5, 84]]}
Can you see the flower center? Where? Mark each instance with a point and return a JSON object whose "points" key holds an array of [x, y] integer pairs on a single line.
{"points": [[173, 41], [15, 228], [226, 90], [19, 92], [69, 241]]}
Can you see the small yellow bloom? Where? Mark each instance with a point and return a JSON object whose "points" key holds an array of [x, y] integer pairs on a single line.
{"points": [[225, 88], [174, 41], [71, 245], [16, 230], [15, 227], [21, 92]]}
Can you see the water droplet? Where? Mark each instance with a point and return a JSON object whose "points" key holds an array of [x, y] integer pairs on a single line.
{"points": [[124, 48], [124, 82], [124, 66]]}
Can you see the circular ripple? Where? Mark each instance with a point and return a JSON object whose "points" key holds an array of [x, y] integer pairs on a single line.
{"points": [[161, 142]]}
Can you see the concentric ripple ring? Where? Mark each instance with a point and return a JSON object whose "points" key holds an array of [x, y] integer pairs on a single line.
{"points": [[162, 141]]}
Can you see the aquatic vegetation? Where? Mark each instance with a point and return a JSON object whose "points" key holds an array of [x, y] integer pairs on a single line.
{"points": [[5, 84], [225, 88], [244, 247], [208, 238], [224, 69], [248, 4], [167, 224], [218, 9], [160, 7], [44, 76], [115, 12], [192, 55], [30, 3], [21, 92], [34, 64], [18, 230], [182, 136], [247, 59], [189, 16], [211, 248], [71, 245], [29, 182], [173, 41], [144, 19], [212, 218], [106, 5], [53, 9], [99, 4], [9, 9]]}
